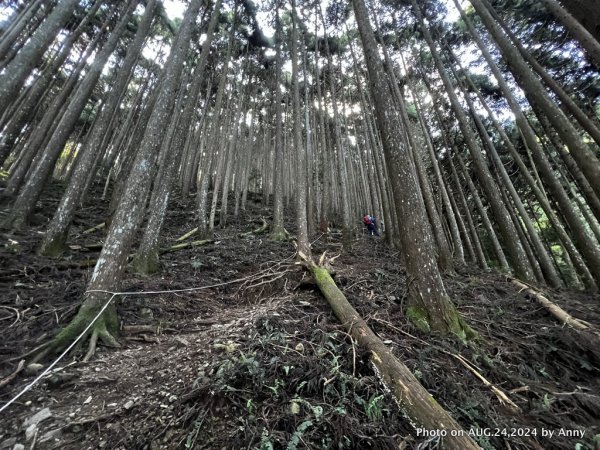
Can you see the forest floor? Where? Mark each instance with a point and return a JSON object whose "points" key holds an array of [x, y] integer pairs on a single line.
{"points": [[258, 360]]}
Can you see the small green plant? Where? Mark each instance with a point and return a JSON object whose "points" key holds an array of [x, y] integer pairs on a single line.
{"points": [[373, 408], [295, 440], [278, 384], [250, 406], [547, 402], [193, 435], [265, 441], [196, 264]]}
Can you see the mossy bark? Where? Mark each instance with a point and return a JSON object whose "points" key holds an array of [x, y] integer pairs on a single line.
{"points": [[55, 246], [278, 234], [105, 328], [413, 399], [146, 263]]}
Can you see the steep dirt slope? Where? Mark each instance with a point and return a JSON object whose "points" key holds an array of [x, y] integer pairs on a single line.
{"points": [[259, 361]]}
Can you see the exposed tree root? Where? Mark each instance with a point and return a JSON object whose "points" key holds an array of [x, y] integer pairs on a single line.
{"points": [[263, 227], [135, 329], [33, 351], [260, 230], [105, 328], [92, 347], [412, 398]]}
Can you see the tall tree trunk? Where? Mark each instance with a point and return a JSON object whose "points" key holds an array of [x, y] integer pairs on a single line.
{"points": [[27, 198], [146, 260], [585, 11], [299, 149], [539, 99], [430, 306], [576, 29], [16, 24], [25, 110], [58, 229], [111, 262], [277, 229], [16, 72], [590, 253], [514, 249]]}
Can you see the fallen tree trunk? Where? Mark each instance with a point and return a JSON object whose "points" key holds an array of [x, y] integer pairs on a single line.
{"points": [[554, 309], [424, 412], [177, 247]]}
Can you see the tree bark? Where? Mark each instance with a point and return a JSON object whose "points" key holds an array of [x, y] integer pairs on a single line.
{"points": [[539, 99], [109, 268], [514, 249], [577, 30], [27, 198], [429, 304], [147, 256], [17, 71], [56, 234], [301, 183]]}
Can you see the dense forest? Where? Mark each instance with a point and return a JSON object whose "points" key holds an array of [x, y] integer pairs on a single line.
{"points": [[300, 224]]}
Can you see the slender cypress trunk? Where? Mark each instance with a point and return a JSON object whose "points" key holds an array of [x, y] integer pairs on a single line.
{"points": [[25, 202], [540, 100], [299, 149], [583, 36], [430, 306], [58, 229], [514, 249], [26, 108], [17, 23], [17, 71]]}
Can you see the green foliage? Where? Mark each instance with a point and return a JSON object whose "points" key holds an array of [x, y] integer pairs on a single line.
{"points": [[293, 444], [265, 442], [318, 379]]}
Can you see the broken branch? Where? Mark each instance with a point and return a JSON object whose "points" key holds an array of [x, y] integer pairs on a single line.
{"points": [[554, 309]]}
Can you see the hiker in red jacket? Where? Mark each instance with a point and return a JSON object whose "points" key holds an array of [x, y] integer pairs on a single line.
{"points": [[371, 225]]}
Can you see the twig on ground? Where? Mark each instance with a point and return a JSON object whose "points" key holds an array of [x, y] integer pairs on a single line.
{"points": [[16, 313], [94, 228], [12, 376], [502, 397]]}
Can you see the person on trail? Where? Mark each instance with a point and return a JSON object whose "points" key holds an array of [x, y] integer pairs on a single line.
{"points": [[370, 224], [375, 227]]}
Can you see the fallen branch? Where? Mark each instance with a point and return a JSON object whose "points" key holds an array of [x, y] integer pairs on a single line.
{"points": [[177, 247], [554, 309], [412, 398], [89, 247], [16, 311], [12, 376], [94, 228], [502, 397], [187, 235]]}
